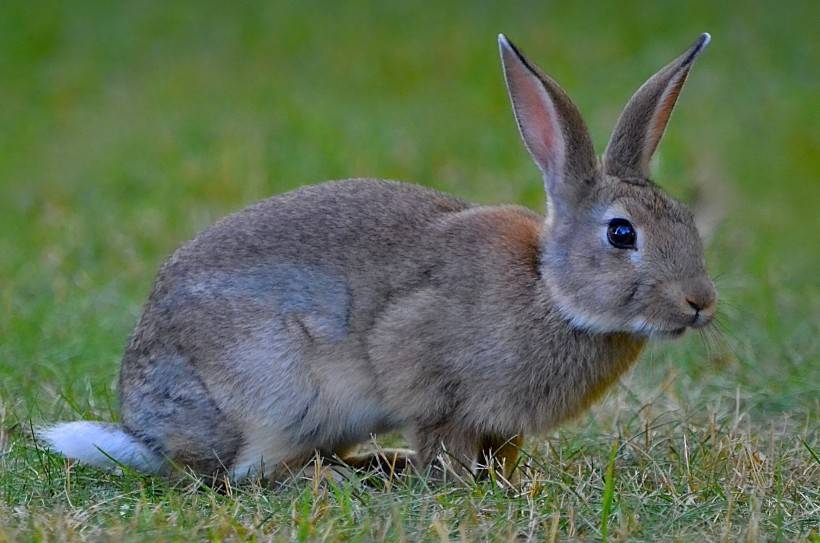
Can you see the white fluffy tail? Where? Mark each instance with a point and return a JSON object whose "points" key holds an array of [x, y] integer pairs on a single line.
{"points": [[101, 445]]}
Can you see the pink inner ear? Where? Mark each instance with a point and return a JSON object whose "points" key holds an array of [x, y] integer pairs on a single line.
{"points": [[662, 113], [538, 120]]}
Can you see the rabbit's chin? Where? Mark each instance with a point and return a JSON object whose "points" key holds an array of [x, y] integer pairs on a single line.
{"points": [[647, 329], [673, 333]]}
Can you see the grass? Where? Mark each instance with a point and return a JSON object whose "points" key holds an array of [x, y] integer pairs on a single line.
{"points": [[128, 128], [609, 491]]}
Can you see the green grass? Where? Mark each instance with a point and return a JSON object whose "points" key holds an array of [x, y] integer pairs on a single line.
{"points": [[128, 128]]}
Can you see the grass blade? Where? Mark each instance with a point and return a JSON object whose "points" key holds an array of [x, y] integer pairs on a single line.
{"points": [[609, 491]]}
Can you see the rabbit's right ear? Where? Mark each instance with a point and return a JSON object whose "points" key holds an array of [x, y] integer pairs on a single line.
{"points": [[643, 121], [551, 127]]}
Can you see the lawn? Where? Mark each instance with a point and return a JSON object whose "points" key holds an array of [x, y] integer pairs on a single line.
{"points": [[125, 128]]}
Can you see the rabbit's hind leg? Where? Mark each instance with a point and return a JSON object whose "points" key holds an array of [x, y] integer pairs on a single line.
{"points": [[167, 406], [389, 461]]}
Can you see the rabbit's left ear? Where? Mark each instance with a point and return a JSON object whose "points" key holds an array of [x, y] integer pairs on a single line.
{"points": [[551, 127], [643, 121]]}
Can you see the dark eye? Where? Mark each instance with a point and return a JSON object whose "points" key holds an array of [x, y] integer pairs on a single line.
{"points": [[621, 234]]}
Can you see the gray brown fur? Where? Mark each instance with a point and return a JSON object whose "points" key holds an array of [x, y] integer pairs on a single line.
{"points": [[314, 319]]}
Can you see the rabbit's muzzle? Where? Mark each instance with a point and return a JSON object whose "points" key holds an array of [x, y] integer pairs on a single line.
{"points": [[692, 304]]}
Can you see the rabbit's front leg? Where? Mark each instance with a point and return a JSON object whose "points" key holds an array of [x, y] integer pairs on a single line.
{"points": [[502, 453], [445, 452]]}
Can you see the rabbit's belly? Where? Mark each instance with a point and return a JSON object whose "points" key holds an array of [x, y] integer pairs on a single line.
{"points": [[345, 406]]}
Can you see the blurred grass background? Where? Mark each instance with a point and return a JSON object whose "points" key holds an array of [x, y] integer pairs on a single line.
{"points": [[125, 128]]}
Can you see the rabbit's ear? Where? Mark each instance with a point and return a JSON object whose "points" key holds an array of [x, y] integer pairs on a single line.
{"points": [[551, 126], [643, 121]]}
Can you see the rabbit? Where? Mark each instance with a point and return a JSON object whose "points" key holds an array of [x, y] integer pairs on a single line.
{"points": [[313, 320]]}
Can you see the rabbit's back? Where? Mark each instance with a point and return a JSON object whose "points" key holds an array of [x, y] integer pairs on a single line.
{"points": [[316, 244]]}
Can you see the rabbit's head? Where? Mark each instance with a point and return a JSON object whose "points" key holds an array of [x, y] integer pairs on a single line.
{"points": [[618, 254]]}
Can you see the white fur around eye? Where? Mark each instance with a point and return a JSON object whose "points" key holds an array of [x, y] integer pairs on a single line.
{"points": [[635, 256]]}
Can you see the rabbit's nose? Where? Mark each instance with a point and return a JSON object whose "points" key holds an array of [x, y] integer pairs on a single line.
{"points": [[701, 299]]}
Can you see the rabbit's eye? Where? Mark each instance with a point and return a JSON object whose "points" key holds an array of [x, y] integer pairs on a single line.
{"points": [[621, 234]]}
